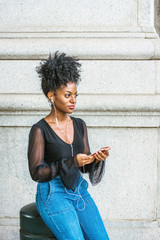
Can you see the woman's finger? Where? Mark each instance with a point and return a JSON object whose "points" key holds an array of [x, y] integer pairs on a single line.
{"points": [[102, 156], [99, 157], [106, 153], [88, 159]]}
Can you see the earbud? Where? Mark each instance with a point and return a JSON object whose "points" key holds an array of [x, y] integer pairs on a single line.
{"points": [[52, 101]]}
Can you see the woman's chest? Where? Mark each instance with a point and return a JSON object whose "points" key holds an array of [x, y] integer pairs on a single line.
{"points": [[56, 148]]}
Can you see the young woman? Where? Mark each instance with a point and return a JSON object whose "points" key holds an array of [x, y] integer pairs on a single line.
{"points": [[58, 154]]}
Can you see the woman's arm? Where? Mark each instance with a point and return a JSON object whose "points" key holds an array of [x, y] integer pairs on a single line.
{"points": [[39, 170], [67, 169]]}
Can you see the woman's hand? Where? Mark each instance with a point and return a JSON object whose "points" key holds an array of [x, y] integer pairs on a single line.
{"points": [[102, 154], [84, 159]]}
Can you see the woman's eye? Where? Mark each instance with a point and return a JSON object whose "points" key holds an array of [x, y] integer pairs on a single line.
{"points": [[68, 95]]}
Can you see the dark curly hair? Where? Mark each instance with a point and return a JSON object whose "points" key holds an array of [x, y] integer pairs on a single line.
{"points": [[58, 70]]}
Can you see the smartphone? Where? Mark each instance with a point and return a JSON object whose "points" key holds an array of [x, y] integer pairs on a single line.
{"points": [[102, 149]]}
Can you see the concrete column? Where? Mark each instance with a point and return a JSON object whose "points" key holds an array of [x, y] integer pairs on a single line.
{"points": [[119, 49]]}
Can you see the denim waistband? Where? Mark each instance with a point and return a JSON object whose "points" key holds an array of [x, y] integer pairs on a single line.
{"points": [[56, 183]]}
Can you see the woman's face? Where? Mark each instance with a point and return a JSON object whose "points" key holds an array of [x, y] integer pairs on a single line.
{"points": [[65, 98]]}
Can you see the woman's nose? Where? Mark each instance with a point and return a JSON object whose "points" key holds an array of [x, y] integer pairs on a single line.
{"points": [[73, 99]]}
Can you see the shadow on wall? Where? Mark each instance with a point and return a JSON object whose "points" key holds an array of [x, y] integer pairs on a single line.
{"points": [[157, 16]]}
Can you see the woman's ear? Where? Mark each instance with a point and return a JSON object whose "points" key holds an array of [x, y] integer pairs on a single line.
{"points": [[51, 96]]}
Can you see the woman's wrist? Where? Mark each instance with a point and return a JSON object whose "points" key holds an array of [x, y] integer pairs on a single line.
{"points": [[76, 161], [96, 161]]}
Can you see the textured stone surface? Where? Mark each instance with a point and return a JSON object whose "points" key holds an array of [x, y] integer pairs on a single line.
{"points": [[16, 186], [9, 232], [158, 187], [129, 162], [82, 47], [146, 12], [120, 231], [157, 74], [134, 234], [127, 77], [101, 119], [122, 103], [117, 77], [58, 15]]}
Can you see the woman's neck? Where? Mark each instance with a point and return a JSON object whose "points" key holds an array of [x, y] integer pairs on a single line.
{"points": [[61, 116]]}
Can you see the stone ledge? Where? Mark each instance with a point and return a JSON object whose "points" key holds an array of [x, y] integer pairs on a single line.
{"points": [[93, 120], [117, 233], [83, 48], [108, 223], [89, 103], [115, 33]]}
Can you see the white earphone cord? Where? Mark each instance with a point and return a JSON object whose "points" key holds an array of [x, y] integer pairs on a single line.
{"points": [[63, 130], [80, 196]]}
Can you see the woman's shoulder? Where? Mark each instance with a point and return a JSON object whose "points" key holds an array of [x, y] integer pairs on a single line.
{"points": [[38, 127], [39, 124], [80, 123], [78, 120]]}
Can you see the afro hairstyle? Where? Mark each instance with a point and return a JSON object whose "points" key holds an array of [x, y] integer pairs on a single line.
{"points": [[57, 70]]}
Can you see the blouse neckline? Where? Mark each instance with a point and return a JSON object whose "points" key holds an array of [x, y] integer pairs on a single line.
{"points": [[47, 124]]}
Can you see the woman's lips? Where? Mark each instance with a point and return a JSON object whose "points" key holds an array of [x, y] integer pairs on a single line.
{"points": [[71, 106]]}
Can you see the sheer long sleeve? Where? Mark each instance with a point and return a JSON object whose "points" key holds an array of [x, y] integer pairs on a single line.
{"points": [[39, 170], [95, 170]]}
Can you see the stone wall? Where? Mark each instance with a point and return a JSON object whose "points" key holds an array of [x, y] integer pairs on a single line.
{"points": [[119, 98]]}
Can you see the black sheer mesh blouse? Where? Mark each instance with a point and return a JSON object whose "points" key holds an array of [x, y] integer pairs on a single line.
{"points": [[49, 155]]}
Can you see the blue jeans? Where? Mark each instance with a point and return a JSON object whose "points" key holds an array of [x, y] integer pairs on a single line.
{"points": [[70, 215]]}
